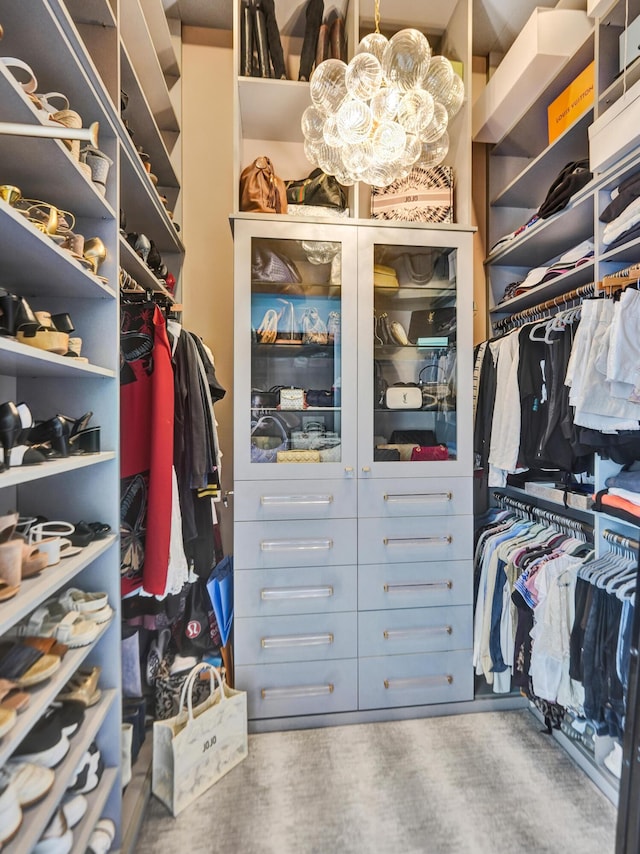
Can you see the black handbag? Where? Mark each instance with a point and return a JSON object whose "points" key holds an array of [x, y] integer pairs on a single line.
{"points": [[386, 455], [319, 397], [317, 189], [412, 437]]}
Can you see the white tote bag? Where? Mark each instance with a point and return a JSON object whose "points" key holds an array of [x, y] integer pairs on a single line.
{"points": [[194, 749]]}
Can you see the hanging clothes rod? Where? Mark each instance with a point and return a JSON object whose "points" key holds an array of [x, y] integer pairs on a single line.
{"points": [[620, 279], [620, 540], [534, 512], [527, 314]]}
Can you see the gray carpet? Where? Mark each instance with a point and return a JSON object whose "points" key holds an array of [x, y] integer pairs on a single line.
{"points": [[468, 784]]}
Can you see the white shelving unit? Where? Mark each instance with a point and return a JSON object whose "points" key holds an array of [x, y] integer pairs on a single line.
{"points": [[79, 47]]}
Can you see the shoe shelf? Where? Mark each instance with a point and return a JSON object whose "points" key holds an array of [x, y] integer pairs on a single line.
{"points": [[35, 590], [144, 125], [25, 474], [33, 262], [94, 12], [24, 361], [560, 285], [528, 187], [158, 25], [96, 801], [35, 819], [141, 203], [135, 266], [44, 694], [139, 45], [550, 237]]}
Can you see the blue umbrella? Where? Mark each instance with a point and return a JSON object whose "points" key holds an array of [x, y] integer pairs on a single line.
{"points": [[220, 588]]}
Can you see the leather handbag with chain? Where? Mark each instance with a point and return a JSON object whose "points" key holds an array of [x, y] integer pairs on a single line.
{"points": [[317, 189], [260, 188]]}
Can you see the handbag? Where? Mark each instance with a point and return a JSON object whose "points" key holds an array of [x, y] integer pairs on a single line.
{"points": [[403, 449], [292, 398], [403, 396], [196, 747], [167, 687], [299, 456], [277, 439], [429, 453], [413, 437], [263, 399], [384, 277], [314, 329], [267, 265], [415, 270], [260, 188], [317, 188], [386, 455], [319, 397], [331, 455], [267, 332]]}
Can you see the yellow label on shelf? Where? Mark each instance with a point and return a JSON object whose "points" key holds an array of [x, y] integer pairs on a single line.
{"points": [[572, 103]]}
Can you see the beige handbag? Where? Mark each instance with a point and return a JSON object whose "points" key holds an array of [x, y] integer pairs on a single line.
{"points": [[300, 456], [292, 398]]}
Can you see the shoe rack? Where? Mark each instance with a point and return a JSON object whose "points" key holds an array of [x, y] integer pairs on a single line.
{"points": [[268, 111], [89, 50]]}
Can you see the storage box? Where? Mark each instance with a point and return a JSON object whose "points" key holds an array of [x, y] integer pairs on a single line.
{"points": [[629, 45], [551, 492], [425, 195], [572, 103]]}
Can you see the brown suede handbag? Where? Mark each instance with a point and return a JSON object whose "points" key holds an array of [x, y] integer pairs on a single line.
{"points": [[261, 190]]}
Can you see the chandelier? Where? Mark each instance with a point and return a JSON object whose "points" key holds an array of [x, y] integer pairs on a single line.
{"points": [[385, 112]]}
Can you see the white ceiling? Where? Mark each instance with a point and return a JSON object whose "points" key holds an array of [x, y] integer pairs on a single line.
{"points": [[496, 23]]}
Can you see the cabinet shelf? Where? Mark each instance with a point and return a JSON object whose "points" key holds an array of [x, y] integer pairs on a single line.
{"points": [[616, 89], [138, 44], [627, 252], [306, 409], [309, 289], [94, 12], [552, 236], [37, 818], [527, 189], [148, 133], [43, 694], [135, 266], [582, 275], [158, 25], [40, 587], [21, 360], [25, 474], [35, 265], [96, 801]]}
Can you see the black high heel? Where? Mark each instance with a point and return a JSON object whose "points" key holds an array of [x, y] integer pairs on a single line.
{"points": [[10, 427], [77, 425], [55, 432], [85, 441], [314, 13]]}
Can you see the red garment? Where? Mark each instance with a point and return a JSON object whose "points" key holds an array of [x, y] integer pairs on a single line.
{"points": [[146, 448]]}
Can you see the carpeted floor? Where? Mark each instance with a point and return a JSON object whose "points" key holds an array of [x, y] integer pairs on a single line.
{"points": [[487, 783]]}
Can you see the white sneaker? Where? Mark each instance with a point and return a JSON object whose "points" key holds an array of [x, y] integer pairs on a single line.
{"points": [[10, 811], [74, 807], [31, 782]]}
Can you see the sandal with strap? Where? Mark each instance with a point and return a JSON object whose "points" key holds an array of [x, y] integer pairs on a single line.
{"points": [[68, 627], [93, 605], [82, 687]]}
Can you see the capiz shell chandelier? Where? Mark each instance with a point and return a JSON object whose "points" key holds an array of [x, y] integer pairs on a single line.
{"points": [[386, 111]]}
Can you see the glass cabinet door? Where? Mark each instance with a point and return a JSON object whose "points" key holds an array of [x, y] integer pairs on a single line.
{"points": [[414, 338], [295, 355]]}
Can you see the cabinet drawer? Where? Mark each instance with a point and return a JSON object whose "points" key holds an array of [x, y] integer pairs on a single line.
{"points": [[414, 585], [416, 630], [287, 499], [414, 680], [307, 637], [391, 497], [299, 590], [312, 688], [261, 545], [415, 538]]}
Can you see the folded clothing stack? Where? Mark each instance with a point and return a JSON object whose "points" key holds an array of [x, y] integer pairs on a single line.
{"points": [[621, 498], [565, 263], [622, 214]]}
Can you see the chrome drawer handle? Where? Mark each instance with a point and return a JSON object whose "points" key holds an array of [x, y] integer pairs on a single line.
{"points": [[295, 500], [279, 593], [399, 634], [295, 545], [418, 586], [417, 682], [416, 541], [417, 497], [296, 691], [280, 641]]}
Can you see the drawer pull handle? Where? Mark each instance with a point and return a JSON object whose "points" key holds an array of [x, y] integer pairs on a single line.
{"points": [[296, 640], [400, 634], [416, 587], [296, 691], [417, 682], [279, 593], [295, 545], [295, 500], [417, 497], [416, 541]]}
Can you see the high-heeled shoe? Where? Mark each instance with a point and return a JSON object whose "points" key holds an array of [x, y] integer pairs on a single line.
{"points": [[314, 13], [15, 312], [53, 433], [10, 427], [77, 425], [85, 441]]}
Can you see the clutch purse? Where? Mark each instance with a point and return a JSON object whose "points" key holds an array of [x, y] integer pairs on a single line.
{"points": [[292, 398], [298, 456], [403, 396], [384, 277], [319, 397], [430, 453], [263, 398]]}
